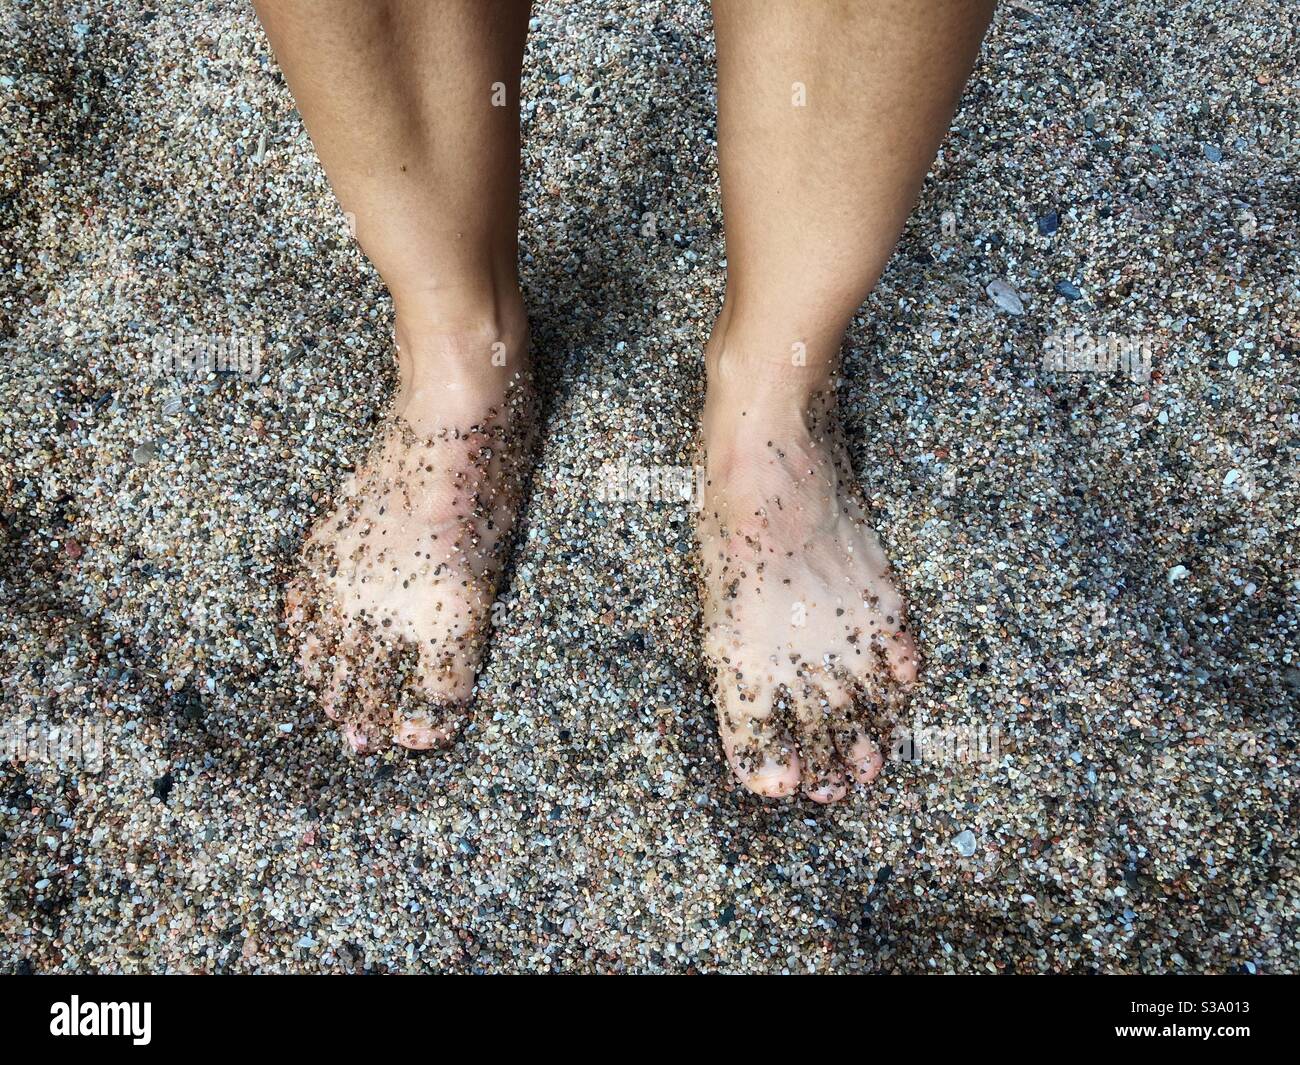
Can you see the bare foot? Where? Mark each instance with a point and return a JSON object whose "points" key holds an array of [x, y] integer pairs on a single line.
{"points": [[394, 601], [803, 627]]}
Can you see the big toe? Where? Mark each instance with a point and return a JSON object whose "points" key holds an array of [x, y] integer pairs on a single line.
{"points": [[761, 752]]}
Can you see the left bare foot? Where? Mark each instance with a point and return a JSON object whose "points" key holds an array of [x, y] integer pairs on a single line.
{"points": [[393, 603]]}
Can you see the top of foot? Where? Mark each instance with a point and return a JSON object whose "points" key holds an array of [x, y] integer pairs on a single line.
{"points": [[804, 629]]}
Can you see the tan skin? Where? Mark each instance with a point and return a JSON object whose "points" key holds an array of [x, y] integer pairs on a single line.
{"points": [[829, 115]]}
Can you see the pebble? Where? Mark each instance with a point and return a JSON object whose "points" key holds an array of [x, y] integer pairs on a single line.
{"points": [[1005, 296], [143, 454]]}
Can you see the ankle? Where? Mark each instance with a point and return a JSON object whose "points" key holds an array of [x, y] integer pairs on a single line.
{"points": [[770, 362], [756, 390], [461, 337]]}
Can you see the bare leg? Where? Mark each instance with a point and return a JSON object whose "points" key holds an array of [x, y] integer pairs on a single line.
{"points": [[829, 115], [414, 109]]}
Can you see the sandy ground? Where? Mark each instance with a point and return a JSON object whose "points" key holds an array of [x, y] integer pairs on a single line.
{"points": [[1102, 566]]}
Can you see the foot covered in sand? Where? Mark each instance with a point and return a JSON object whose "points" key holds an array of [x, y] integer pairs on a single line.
{"points": [[393, 604], [804, 630]]}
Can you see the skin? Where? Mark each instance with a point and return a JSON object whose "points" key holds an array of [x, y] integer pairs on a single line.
{"points": [[829, 115], [413, 108]]}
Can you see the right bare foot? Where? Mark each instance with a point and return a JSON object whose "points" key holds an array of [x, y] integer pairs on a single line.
{"points": [[804, 627], [392, 607]]}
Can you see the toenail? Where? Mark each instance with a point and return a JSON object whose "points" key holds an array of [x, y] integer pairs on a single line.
{"points": [[419, 736]]}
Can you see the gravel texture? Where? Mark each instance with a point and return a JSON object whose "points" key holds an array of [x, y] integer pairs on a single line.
{"points": [[1102, 566]]}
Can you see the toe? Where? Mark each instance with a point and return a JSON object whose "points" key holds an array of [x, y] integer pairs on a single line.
{"points": [[861, 756], [761, 752], [419, 735], [379, 672], [294, 604], [423, 722], [771, 778], [313, 633], [356, 738], [312, 653], [901, 654], [334, 693], [823, 774]]}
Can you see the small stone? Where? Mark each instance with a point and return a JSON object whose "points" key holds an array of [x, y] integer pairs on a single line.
{"points": [[1211, 153], [1234, 359], [965, 843], [162, 787], [1049, 223], [1069, 290], [1178, 573], [1005, 296], [144, 453]]}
